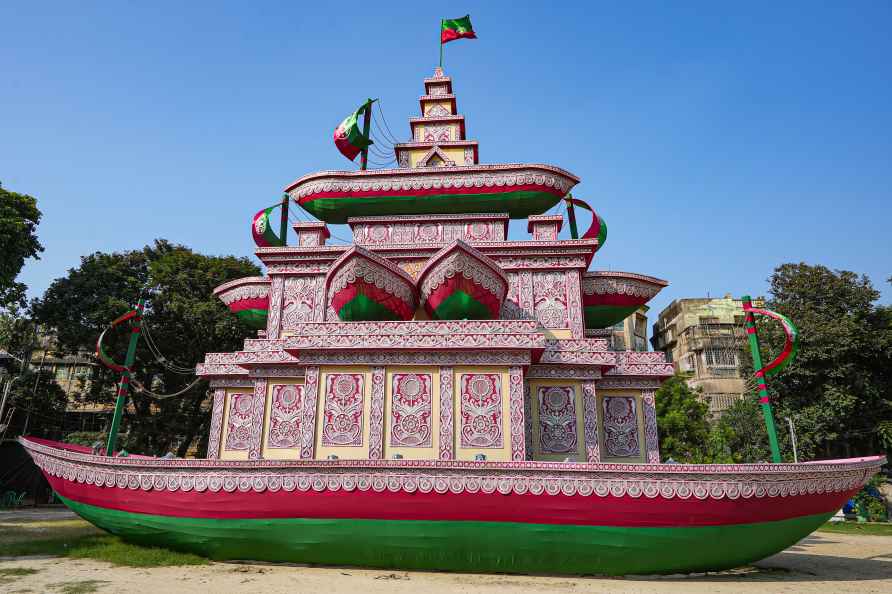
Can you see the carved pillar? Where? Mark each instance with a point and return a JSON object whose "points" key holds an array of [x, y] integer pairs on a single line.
{"points": [[574, 304], [516, 409], [447, 439], [590, 421], [651, 438], [216, 424], [258, 407], [308, 425], [274, 318], [376, 416]]}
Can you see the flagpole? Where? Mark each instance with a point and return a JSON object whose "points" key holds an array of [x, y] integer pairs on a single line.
{"points": [[367, 119], [283, 223], [571, 215], [750, 323], [124, 384], [440, 33]]}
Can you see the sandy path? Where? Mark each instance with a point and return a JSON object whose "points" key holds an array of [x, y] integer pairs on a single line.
{"points": [[823, 562]]}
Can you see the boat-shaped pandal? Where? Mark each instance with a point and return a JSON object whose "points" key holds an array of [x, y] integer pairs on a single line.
{"points": [[519, 443], [247, 298]]}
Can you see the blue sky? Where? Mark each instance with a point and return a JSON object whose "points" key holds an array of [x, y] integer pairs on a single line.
{"points": [[718, 140]]}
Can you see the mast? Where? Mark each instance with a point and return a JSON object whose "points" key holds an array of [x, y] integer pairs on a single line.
{"points": [[283, 223], [750, 324], [571, 216], [366, 121], [124, 385]]}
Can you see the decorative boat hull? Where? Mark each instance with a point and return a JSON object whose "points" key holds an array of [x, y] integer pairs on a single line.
{"points": [[248, 299], [521, 517], [518, 189], [609, 297], [460, 283]]}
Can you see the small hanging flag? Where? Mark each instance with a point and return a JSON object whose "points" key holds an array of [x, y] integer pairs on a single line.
{"points": [[598, 228], [452, 29], [262, 230], [348, 137]]}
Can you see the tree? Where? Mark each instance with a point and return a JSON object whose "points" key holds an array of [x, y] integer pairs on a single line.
{"points": [[19, 218], [183, 321], [739, 435], [682, 421], [837, 391]]}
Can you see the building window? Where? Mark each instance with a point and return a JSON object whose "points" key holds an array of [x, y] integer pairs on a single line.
{"points": [[706, 320], [720, 358]]}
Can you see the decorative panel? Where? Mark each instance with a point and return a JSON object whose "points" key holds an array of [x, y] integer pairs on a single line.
{"points": [[342, 416], [240, 422], [557, 419], [286, 402], [651, 438], [308, 427], [410, 410], [481, 410], [516, 412], [621, 435], [274, 319], [302, 301], [550, 298]]}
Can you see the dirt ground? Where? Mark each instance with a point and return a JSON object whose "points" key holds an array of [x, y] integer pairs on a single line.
{"points": [[823, 562]]}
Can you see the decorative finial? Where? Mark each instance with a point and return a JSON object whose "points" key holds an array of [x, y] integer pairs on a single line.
{"points": [[438, 72]]}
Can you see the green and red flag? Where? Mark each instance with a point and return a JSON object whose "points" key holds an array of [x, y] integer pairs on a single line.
{"points": [[348, 137], [452, 29], [262, 230]]}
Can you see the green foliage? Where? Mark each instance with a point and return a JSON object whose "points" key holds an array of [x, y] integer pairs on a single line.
{"points": [[869, 502], [682, 421], [738, 437], [19, 218], [77, 587], [86, 438], [182, 317], [837, 391], [857, 528], [39, 404]]}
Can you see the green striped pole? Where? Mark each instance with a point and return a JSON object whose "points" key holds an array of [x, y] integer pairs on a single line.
{"points": [[283, 222], [750, 324], [571, 216], [124, 385]]}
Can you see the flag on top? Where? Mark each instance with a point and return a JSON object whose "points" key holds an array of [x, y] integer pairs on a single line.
{"points": [[452, 29], [348, 137]]}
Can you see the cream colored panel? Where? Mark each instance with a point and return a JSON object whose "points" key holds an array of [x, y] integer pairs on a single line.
{"points": [[615, 433], [417, 409], [342, 422], [558, 409], [479, 410], [276, 453]]}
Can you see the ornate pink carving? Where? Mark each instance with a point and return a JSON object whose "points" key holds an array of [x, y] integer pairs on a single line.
{"points": [[574, 304], [301, 295], [216, 424], [590, 421], [274, 319], [308, 427], [557, 419], [342, 415], [550, 297], [259, 405], [411, 409], [240, 423], [516, 413], [621, 438], [651, 438], [286, 412], [527, 420], [481, 410], [376, 415], [447, 451]]}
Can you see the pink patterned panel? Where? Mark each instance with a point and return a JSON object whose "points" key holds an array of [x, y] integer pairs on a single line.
{"points": [[621, 427], [285, 416], [481, 410], [411, 410], [240, 424], [557, 419], [447, 451], [342, 417], [216, 424]]}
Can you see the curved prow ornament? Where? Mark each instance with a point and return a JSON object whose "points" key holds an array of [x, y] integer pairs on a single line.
{"points": [[460, 283]]}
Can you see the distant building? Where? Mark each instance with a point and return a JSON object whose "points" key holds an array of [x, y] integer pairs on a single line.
{"points": [[704, 339], [631, 333], [74, 374]]}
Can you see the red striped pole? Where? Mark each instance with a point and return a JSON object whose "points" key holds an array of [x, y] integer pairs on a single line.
{"points": [[750, 324]]}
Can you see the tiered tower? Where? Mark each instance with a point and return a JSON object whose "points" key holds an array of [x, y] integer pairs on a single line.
{"points": [[438, 136]]}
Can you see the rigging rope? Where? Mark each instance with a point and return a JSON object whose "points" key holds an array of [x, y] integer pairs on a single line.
{"points": [[138, 387], [383, 119]]}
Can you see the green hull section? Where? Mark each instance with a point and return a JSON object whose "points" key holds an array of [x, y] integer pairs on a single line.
{"points": [[504, 547], [518, 205], [605, 316]]}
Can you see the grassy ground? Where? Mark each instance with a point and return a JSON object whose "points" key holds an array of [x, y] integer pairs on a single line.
{"points": [[875, 528], [79, 540]]}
